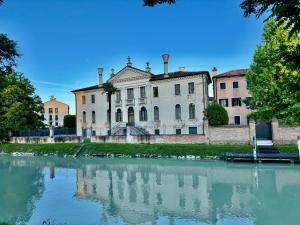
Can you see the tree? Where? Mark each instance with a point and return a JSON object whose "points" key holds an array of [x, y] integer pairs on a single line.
{"points": [[216, 114], [70, 121], [109, 90], [281, 10], [20, 108], [151, 3], [8, 55], [273, 80]]}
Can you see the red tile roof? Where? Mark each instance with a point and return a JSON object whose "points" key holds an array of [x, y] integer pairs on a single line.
{"points": [[238, 72]]}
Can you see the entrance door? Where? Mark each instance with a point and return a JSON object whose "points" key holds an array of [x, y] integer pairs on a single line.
{"points": [[131, 116], [84, 133], [263, 131]]}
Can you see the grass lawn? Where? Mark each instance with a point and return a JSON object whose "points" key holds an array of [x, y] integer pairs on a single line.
{"points": [[132, 149]]}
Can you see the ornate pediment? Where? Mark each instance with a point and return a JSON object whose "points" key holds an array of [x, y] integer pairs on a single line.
{"points": [[129, 74]]}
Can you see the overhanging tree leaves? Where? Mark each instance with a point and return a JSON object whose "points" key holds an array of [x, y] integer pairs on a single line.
{"points": [[273, 80], [151, 3], [70, 121]]}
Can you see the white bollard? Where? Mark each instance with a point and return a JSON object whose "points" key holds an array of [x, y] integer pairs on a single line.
{"points": [[254, 149]]}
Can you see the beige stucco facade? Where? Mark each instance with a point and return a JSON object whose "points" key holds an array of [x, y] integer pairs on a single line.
{"points": [[225, 95], [54, 112]]}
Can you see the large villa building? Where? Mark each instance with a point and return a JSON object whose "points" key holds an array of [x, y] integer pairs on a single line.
{"points": [[167, 103], [230, 88]]}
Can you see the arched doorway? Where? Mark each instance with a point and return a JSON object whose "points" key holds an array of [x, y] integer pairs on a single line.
{"points": [[131, 116]]}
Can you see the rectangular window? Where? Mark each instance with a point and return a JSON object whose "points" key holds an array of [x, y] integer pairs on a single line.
{"points": [[191, 88], [237, 120], [223, 102], [155, 92], [50, 110], [236, 102], [178, 131], [56, 117], [130, 93], [50, 118], [56, 110], [94, 133], [177, 89], [142, 92], [222, 85], [156, 131], [118, 96], [93, 99], [235, 84], [192, 130], [83, 99], [56, 124]]}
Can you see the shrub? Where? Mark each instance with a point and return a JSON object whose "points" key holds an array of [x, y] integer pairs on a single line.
{"points": [[70, 121], [217, 115]]}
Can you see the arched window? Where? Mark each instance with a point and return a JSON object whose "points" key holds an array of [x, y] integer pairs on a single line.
{"points": [[84, 117], [93, 117], [177, 112], [192, 111], [156, 113], [143, 114], [119, 116]]}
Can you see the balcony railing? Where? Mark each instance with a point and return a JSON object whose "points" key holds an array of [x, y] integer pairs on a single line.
{"points": [[118, 103], [129, 101], [142, 100]]}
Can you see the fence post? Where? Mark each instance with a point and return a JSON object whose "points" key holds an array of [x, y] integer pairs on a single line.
{"points": [[252, 131], [51, 131], [206, 129]]}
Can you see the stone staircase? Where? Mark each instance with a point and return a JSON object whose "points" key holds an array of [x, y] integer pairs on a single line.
{"points": [[134, 130], [121, 129], [266, 146]]}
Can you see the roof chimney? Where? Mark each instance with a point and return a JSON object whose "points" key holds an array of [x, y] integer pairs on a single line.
{"points": [[166, 63], [181, 69], [100, 72], [214, 71], [129, 63]]}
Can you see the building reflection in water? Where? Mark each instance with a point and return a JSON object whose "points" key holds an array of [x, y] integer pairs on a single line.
{"points": [[141, 193]]}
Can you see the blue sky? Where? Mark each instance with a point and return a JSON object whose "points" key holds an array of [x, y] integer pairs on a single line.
{"points": [[62, 42]]}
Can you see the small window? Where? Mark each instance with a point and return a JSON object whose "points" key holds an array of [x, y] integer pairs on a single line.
{"points": [[83, 99], [50, 123], [84, 117], [93, 117], [143, 114], [93, 99], [156, 113], [56, 117], [119, 115], [178, 131], [191, 88], [50, 110], [235, 84], [177, 89], [118, 96], [156, 131], [142, 92], [130, 93], [94, 133], [50, 118], [177, 112], [236, 102], [56, 124], [222, 85], [192, 130], [192, 111], [56, 110], [223, 102], [237, 120], [155, 92]]}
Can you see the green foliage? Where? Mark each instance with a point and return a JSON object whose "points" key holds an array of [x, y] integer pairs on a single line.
{"points": [[70, 121], [20, 107], [217, 115], [8, 54], [274, 80], [282, 10]]}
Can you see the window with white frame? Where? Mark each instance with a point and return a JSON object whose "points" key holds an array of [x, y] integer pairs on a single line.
{"points": [[192, 111], [177, 112]]}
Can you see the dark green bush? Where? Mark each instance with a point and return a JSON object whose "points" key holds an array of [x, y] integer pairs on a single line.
{"points": [[217, 115], [70, 121]]}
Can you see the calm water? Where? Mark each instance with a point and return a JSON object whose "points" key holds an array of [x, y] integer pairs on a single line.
{"points": [[138, 191]]}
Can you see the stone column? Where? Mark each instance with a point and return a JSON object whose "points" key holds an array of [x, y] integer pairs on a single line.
{"points": [[51, 131], [252, 131], [275, 131], [206, 129]]}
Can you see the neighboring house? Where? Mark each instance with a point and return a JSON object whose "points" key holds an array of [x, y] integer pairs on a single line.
{"points": [[230, 88], [168, 103], [54, 112]]}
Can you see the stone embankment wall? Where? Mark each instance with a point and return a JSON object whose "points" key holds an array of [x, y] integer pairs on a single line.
{"points": [[45, 140], [283, 134]]}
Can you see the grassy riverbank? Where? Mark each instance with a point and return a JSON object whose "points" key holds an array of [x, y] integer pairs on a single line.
{"points": [[133, 149]]}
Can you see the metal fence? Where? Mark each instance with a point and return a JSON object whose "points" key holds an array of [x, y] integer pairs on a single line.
{"points": [[58, 131]]}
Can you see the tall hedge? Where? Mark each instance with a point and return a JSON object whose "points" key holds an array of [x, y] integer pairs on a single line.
{"points": [[217, 115]]}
